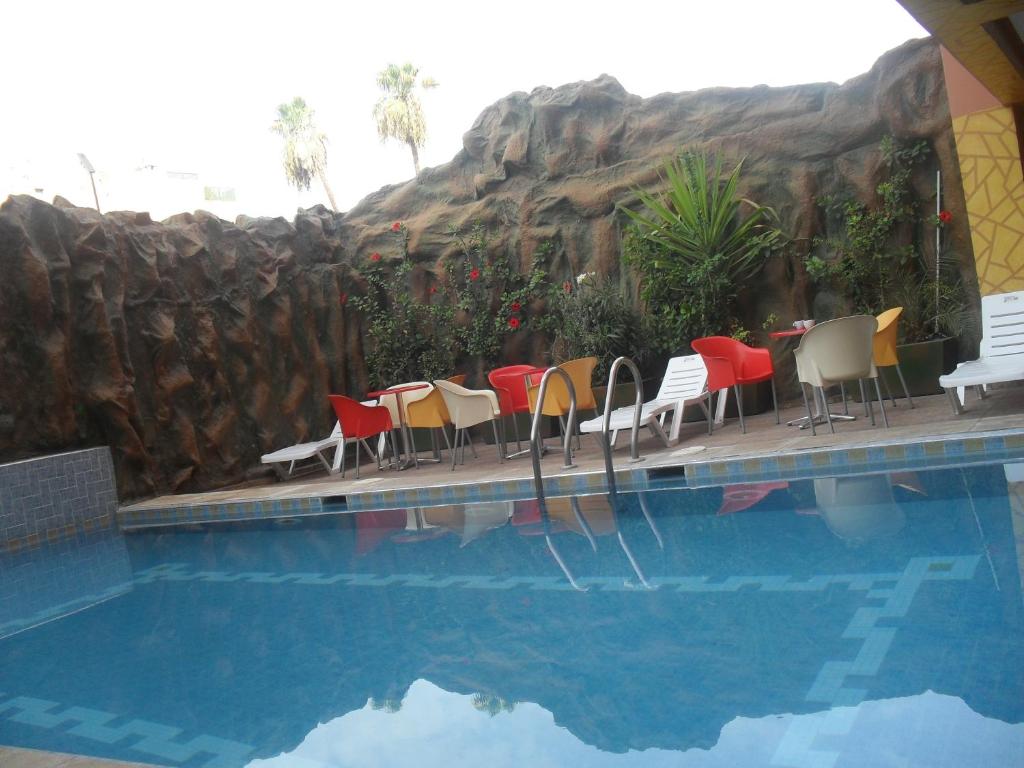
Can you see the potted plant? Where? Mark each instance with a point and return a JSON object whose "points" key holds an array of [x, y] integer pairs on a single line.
{"points": [[876, 259], [696, 246]]}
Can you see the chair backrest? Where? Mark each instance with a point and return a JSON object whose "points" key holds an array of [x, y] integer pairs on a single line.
{"points": [[1002, 323], [556, 399], [885, 337], [358, 420], [839, 350], [718, 353], [581, 372], [428, 412], [686, 377], [466, 407], [511, 378]]}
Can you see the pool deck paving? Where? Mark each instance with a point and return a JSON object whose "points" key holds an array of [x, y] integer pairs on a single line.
{"points": [[991, 429]]}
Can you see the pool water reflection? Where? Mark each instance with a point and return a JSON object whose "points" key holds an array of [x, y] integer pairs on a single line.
{"points": [[867, 621]]}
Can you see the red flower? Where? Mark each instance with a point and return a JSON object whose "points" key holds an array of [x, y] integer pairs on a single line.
{"points": [[433, 289], [374, 256], [343, 299], [516, 306], [567, 286], [513, 323], [396, 227], [474, 273], [945, 217]]}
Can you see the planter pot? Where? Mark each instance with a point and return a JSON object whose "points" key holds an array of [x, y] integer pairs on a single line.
{"points": [[757, 398], [922, 363], [625, 392]]}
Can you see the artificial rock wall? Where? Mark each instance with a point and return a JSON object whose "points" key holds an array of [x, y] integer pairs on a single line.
{"points": [[193, 345]]}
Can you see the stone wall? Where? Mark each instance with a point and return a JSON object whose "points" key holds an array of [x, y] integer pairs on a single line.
{"points": [[193, 345]]}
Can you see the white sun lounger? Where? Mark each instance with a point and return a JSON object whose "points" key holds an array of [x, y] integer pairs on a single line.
{"points": [[685, 383], [1002, 349], [302, 451]]}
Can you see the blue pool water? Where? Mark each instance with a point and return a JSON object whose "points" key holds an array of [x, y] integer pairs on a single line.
{"points": [[870, 621]]}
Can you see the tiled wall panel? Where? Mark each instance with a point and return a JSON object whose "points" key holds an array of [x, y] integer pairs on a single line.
{"points": [[55, 496]]}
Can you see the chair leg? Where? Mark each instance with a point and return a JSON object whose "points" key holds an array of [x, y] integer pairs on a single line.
{"points": [[863, 396], [842, 391], [454, 451], [885, 385], [775, 401], [444, 433], [881, 404], [903, 381], [472, 447], [807, 405], [824, 404], [357, 459], [739, 407], [954, 401], [497, 441]]}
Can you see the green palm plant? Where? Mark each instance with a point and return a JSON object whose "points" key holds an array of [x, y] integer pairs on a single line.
{"points": [[399, 113], [694, 252], [698, 219], [305, 146]]}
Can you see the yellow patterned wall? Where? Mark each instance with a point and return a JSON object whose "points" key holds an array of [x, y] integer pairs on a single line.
{"points": [[990, 166]]}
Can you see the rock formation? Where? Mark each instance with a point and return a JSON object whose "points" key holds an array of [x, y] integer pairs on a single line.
{"points": [[193, 345]]}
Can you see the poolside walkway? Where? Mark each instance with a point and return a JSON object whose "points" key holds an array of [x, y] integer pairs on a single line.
{"points": [[929, 432]]}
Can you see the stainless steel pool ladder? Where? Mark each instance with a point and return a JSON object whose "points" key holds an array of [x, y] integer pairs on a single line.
{"points": [[535, 439], [606, 444]]}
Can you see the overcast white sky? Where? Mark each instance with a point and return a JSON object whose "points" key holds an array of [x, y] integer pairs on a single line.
{"points": [[193, 86]]}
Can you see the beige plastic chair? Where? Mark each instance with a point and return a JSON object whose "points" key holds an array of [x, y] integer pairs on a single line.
{"points": [[467, 408], [837, 351]]}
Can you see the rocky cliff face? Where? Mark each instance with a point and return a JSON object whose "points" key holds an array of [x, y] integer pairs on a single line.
{"points": [[193, 345]]}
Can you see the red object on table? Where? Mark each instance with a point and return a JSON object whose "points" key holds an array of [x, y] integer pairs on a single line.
{"points": [[787, 334]]}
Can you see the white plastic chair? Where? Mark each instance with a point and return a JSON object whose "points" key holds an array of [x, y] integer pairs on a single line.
{"points": [[467, 408], [685, 383], [837, 351], [302, 451], [1002, 349]]}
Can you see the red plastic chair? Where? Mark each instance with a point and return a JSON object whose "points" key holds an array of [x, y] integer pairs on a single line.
{"points": [[359, 422], [509, 383], [732, 363]]}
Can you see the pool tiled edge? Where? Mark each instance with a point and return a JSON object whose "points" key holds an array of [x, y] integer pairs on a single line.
{"points": [[956, 449]]}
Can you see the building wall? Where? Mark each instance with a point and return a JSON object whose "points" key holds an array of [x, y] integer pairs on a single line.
{"points": [[988, 148]]}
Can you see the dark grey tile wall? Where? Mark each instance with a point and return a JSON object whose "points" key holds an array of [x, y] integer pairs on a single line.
{"points": [[53, 496]]}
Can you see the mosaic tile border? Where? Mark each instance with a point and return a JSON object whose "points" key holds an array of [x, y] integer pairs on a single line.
{"points": [[229, 511], [958, 449]]}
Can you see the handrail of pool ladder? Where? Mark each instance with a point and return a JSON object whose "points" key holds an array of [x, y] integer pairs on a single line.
{"points": [[606, 444], [535, 446]]}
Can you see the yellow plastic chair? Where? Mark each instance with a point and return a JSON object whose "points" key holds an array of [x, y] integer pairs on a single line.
{"points": [[556, 399], [430, 412], [885, 348]]}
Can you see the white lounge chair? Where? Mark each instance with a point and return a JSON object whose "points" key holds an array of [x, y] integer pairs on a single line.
{"points": [[1002, 349], [302, 451], [685, 383]]}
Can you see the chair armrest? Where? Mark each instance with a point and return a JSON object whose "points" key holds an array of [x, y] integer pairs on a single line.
{"points": [[720, 372], [504, 400]]}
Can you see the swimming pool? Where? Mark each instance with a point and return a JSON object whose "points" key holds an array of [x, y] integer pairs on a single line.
{"points": [[860, 621]]}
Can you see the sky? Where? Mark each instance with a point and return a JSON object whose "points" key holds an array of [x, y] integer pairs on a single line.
{"points": [[194, 86]]}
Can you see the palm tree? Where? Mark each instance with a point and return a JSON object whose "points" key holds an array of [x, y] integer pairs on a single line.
{"points": [[305, 147], [398, 113]]}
